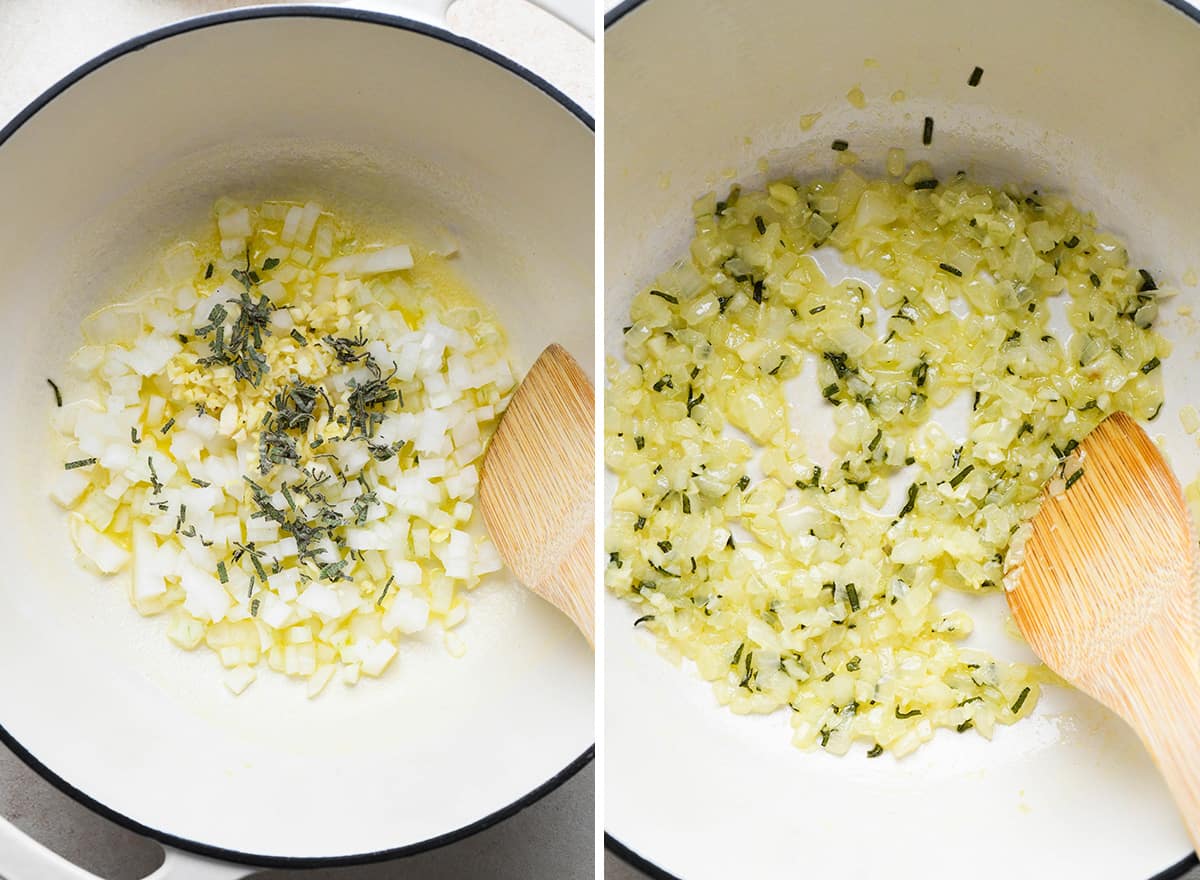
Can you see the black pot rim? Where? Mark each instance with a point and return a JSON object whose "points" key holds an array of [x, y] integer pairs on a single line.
{"points": [[648, 867], [133, 45]]}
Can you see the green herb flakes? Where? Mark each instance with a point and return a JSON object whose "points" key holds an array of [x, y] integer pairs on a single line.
{"points": [[1016, 707]]}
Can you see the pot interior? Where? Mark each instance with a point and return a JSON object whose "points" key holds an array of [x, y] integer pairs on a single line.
{"points": [[1092, 100], [385, 124]]}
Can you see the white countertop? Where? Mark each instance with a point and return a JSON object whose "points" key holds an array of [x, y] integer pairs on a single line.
{"points": [[42, 41]]}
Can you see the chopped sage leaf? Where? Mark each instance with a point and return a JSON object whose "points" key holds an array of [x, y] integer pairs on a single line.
{"points": [[383, 594], [960, 476], [1016, 707]]}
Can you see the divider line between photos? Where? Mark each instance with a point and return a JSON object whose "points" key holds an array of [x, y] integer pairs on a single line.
{"points": [[600, 759]]}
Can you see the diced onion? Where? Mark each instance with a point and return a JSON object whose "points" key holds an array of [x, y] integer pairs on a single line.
{"points": [[817, 588], [164, 445]]}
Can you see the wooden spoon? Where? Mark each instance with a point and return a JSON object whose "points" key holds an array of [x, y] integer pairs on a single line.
{"points": [[1107, 596], [538, 486]]}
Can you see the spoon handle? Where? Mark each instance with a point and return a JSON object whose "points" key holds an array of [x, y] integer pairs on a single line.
{"points": [[570, 588], [1161, 696]]}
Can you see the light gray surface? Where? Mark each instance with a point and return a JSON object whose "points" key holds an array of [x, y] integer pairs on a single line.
{"points": [[616, 869], [551, 839], [43, 40]]}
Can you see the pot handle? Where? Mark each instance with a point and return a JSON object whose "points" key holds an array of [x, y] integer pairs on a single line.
{"points": [[180, 865], [428, 11], [578, 14], [23, 858]]}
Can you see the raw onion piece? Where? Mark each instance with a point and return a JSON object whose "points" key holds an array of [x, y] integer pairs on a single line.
{"points": [[279, 445]]}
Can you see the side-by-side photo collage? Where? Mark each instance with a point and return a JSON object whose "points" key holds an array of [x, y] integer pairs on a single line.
{"points": [[600, 440]]}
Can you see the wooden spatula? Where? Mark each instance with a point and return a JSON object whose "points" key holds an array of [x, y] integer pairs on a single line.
{"points": [[538, 486], [1107, 596]]}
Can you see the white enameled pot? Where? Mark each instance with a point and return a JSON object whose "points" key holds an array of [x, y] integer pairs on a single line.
{"points": [[1099, 100], [385, 119]]}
